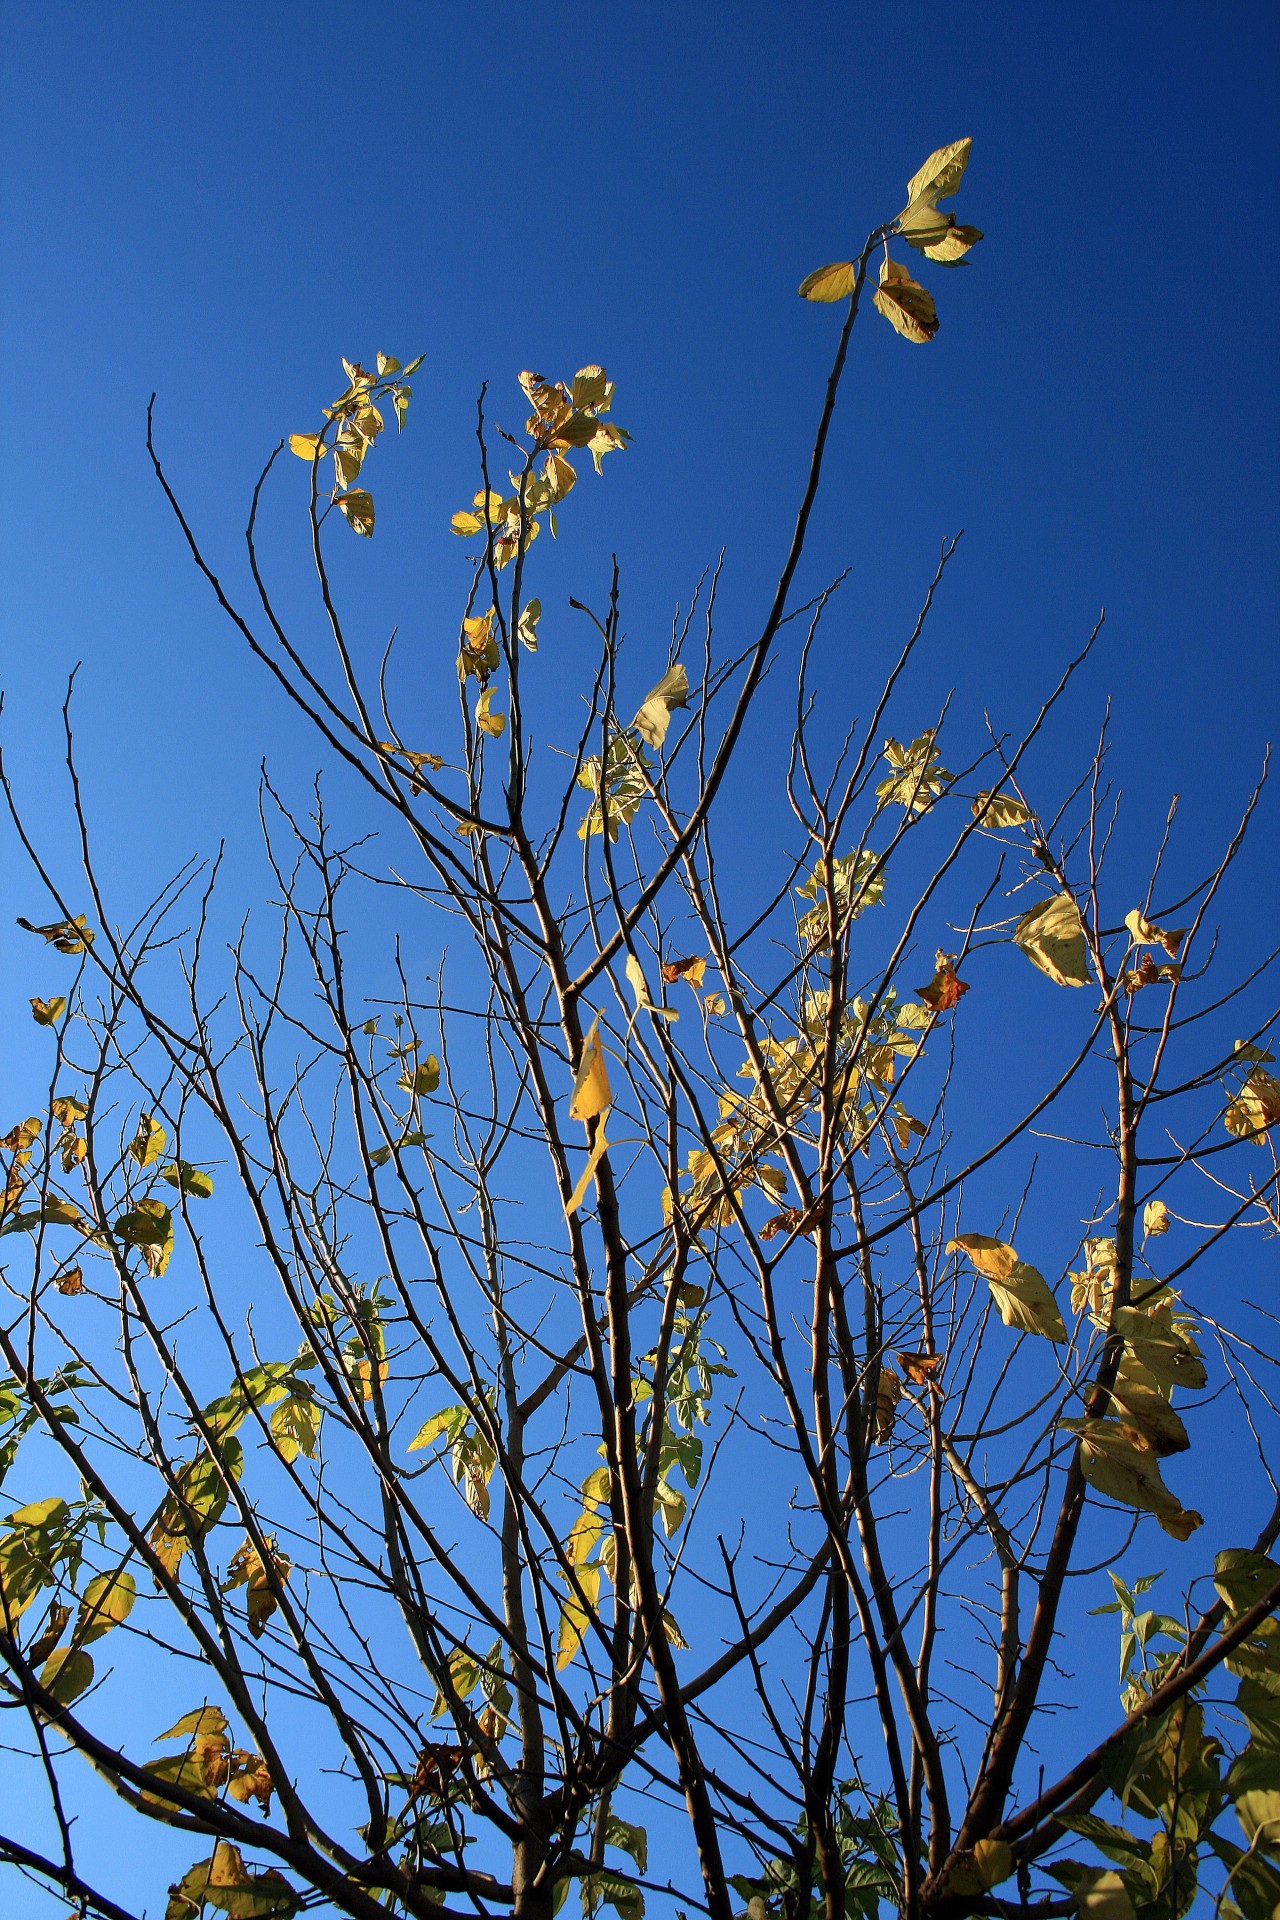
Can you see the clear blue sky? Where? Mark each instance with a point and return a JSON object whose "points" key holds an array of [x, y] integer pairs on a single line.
{"points": [[216, 201]]}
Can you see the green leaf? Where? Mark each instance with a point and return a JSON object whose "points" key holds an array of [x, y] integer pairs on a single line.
{"points": [[224, 1882], [66, 1674], [149, 1142], [193, 1181], [421, 1077], [1052, 937], [450, 1421], [107, 1600]]}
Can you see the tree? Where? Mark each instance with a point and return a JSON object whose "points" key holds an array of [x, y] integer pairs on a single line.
{"points": [[653, 1469]]}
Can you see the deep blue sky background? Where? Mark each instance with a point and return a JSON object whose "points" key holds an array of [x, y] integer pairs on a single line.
{"points": [[215, 202]]}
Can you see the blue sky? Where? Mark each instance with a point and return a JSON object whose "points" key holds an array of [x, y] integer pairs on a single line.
{"points": [[216, 202]]}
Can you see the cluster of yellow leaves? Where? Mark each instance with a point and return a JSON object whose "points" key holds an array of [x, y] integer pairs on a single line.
{"points": [[917, 776], [356, 422], [856, 881], [905, 304], [565, 419]]}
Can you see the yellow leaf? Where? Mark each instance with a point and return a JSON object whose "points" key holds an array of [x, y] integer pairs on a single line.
{"points": [[1255, 1108], [640, 987], [659, 703], [941, 173], [1002, 809], [994, 1259], [491, 723], [106, 1601], [1144, 933], [950, 250], [1052, 937], [149, 1142], [829, 283], [64, 936], [691, 970], [466, 523], [306, 445], [1155, 1218], [1118, 1462], [357, 509], [527, 628], [591, 1094], [45, 1012], [905, 304], [385, 364]]}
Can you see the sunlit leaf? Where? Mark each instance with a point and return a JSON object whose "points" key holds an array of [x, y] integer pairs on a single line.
{"points": [[905, 304], [591, 1094], [45, 1012], [1118, 1462], [829, 283], [421, 1077], [1052, 937], [106, 1601], [1144, 933], [357, 509], [941, 173], [1000, 809], [307, 446], [1155, 1219], [149, 1227], [65, 936], [488, 722], [1255, 1108], [945, 990], [527, 626], [659, 703], [193, 1181], [149, 1142]]}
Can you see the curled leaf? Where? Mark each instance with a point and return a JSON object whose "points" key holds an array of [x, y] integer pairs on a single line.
{"points": [[659, 703], [905, 304]]}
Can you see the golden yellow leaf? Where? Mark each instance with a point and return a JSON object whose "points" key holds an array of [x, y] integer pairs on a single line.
{"points": [[493, 724], [466, 523], [45, 1012], [994, 1259], [829, 283], [306, 445], [591, 1094], [1118, 1462], [905, 304]]}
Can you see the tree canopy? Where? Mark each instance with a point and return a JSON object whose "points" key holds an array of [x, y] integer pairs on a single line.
{"points": [[559, 1366]]}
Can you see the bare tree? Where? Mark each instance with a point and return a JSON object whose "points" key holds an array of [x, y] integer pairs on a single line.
{"points": [[486, 1508]]}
